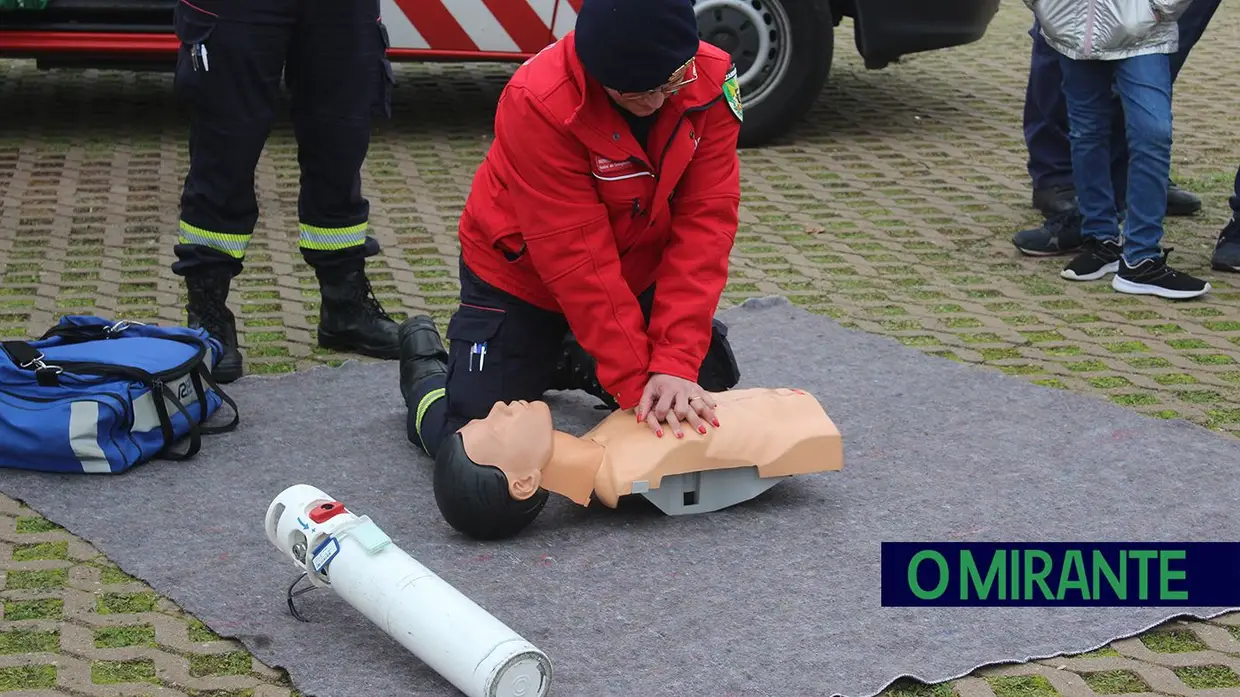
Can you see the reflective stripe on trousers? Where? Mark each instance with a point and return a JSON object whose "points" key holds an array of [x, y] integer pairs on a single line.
{"points": [[331, 239], [426, 402], [232, 245]]}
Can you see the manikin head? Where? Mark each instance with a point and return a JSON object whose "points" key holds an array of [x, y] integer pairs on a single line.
{"points": [[487, 474], [640, 50]]}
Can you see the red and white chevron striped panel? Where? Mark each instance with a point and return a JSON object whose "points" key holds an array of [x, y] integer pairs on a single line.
{"points": [[489, 26]]}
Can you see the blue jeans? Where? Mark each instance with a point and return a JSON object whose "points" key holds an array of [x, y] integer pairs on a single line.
{"points": [[1144, 87], [1046, 116]]}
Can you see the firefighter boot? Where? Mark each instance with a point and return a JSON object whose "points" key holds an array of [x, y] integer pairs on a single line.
{"points": [[351, 318], [208, 309], [577, 370], [422, 354]]}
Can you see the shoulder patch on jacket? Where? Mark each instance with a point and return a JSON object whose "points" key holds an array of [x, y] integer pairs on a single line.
{"points": [[732, 93]]}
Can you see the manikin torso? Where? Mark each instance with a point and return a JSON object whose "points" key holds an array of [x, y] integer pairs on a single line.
{"points": [[780, 431]]}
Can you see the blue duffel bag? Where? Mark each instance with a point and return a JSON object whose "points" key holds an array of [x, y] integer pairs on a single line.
{"points": [[96, 396]]}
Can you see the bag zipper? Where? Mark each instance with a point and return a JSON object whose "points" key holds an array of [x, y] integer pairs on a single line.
{"points": [[148, 378]]}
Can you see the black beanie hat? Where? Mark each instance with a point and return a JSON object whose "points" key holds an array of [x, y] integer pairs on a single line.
{"points": [[635, 45]]}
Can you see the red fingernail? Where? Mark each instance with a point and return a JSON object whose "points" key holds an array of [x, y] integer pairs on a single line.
{"points": [[659, 433], [702, 429], [716, 423], [680, 435]]}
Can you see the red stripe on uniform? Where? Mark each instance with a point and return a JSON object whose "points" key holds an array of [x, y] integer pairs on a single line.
{"points": [[437, 25], [575, 4], [521, 22]]}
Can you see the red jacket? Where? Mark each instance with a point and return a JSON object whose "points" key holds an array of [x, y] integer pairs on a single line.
{"points": [[569, 213]]}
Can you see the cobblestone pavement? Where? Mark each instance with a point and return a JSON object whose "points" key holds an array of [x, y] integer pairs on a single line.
{"points": [[891, 210]]}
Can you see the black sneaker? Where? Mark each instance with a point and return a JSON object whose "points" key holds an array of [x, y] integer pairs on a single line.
{"points": [[1227, 249], [1154, 277], [1098, 258], [1060, 234]]}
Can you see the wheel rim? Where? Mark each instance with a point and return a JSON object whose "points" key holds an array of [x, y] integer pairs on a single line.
{"points": [[756, 33]]}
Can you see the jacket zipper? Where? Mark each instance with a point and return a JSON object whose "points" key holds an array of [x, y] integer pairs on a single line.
{"points": [[1089, 28], [691, 110]]}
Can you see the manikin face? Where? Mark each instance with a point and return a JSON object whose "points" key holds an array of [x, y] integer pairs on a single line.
{"points": [[646, 103], [515, 437]]}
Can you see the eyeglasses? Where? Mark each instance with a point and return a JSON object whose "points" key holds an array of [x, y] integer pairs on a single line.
{"points": [[683, 75]]}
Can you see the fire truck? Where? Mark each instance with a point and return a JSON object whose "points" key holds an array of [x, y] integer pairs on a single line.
{"points": [[782, 48]]}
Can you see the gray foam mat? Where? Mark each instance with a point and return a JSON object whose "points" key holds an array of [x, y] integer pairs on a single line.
{"points": [[779, 596]]}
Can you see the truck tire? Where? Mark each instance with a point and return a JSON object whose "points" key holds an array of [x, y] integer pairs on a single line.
{"points": [[782, 50]]}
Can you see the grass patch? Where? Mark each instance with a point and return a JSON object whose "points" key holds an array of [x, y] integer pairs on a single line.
{"points": [[119, 603], [42, 609], [115, 672], [41, 551], [1115, 682], [29, 641], [36, 524], [198, 632], [43, 578], [1207, 677], [231, 663], [110, 575], [1104, 652], [1022, 686], [119, 637], [1134, 400], [1173, 641], [27, 678]]}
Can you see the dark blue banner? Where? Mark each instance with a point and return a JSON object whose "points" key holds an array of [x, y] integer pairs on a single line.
{"points": [[960, 574]]}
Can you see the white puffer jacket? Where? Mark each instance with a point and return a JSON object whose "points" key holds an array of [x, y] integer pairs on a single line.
{"points": [[1109, 29]]}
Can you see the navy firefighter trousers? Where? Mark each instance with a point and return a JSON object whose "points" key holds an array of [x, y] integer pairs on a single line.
{"points": [[523, 346], [234, 55]]}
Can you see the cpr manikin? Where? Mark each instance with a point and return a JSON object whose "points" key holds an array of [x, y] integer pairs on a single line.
{"points": [[492, 477]]}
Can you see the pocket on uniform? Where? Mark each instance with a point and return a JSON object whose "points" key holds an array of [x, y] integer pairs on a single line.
{"points": [[193, 27], [631, 193], [475, 360], [192, 24], [387, 77]]}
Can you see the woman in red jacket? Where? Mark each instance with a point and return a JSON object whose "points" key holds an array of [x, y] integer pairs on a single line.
{"points": [[596, 237]]}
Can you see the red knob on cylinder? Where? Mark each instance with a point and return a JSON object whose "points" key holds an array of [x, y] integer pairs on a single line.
{"points": [[326, 511]]}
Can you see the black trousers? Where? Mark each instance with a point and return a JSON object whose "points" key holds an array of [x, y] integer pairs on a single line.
{"points": [[523, 345], [233, 56]]}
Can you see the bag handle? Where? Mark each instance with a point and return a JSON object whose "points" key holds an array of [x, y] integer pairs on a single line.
{"points": [[165, 425], [81, 333], [197, 377], [196, 428]]}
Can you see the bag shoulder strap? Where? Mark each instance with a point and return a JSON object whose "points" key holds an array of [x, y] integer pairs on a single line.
{"points": [[27, 357]]}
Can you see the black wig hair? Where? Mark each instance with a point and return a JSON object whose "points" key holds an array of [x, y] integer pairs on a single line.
{"points": [[474, 498]]}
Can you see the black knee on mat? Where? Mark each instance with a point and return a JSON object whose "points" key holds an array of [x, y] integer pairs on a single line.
{"points": [[719, 371], [474, 498]]}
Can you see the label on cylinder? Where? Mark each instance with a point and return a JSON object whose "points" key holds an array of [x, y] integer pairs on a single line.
{"points": [[325, 553]]}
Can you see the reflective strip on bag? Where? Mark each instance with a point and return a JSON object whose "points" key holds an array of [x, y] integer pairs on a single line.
{"points": [[84, 437], [329, 239]]}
